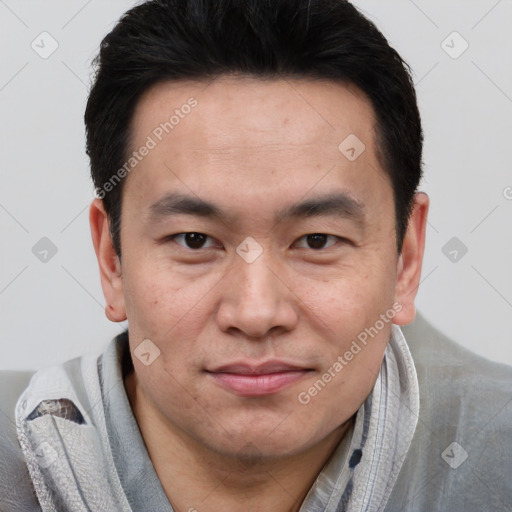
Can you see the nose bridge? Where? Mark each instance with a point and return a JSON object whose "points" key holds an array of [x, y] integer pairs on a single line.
{"points": [[258, 282], [255, 300]]}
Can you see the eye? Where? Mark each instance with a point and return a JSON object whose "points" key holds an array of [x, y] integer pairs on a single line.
{"points": [[191, 240], [318, 240]]}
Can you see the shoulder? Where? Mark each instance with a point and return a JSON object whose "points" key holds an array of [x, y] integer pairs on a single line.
{"points": [[429, 346], [16, 491], [451, 375], [460, 458]]}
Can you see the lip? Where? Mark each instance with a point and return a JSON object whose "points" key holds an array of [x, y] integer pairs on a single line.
{"points": [[262, 379]]}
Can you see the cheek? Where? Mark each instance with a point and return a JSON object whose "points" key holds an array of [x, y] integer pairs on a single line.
{"points": [[171, 313], [149, 302], [173, 394], [155, 296], [350, 300], [347, 311]]}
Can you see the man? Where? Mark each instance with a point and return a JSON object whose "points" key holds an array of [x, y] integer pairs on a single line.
{"points": [[258, 224]]}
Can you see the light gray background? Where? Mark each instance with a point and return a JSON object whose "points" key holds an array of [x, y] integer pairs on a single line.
{"points": [[52, 311]]}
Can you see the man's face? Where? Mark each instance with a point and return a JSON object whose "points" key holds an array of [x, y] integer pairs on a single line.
{"points": [[246, 327]]}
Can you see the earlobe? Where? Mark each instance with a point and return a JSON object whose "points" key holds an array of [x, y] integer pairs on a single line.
{"points": [[108, 261], [410, 261]]}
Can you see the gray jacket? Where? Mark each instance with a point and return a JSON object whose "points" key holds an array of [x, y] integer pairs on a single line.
{"points": [[460, 457]]}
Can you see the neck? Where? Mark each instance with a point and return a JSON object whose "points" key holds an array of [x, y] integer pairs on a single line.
{"points": [[196, 479]]}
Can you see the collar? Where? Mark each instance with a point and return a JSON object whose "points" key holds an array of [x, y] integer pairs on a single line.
{"points": [[362, 471], [67, 420]]}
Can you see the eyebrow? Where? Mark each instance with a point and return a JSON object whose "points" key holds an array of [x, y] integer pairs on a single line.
{"points": [[339, 205]]}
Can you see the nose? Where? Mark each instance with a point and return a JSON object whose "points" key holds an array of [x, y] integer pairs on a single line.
{"points": [[257, 299]]}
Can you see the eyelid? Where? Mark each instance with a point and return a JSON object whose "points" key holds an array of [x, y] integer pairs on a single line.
{"points": [[303, 237], [339, 239], [176, 235]]}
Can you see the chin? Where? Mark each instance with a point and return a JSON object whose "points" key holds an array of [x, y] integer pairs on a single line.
{"points": [[264, 443]]}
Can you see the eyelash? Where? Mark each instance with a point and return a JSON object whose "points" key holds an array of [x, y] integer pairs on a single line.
{"points": [[175, 236]]}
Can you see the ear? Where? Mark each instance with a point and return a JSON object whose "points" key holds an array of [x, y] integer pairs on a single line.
{"points": [[108, 261], [410, 261]]}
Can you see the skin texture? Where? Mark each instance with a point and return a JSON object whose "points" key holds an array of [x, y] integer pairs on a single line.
{"points": [[254, 147]]}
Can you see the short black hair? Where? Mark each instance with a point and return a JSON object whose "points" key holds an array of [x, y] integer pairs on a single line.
{"points": [[161, 40]]}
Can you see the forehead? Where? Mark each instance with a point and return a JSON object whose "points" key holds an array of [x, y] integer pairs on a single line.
{"points": [[311, 110], [252, 135]]}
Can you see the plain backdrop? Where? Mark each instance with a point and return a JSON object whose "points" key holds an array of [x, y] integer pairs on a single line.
{"points": [[460, 54]]}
